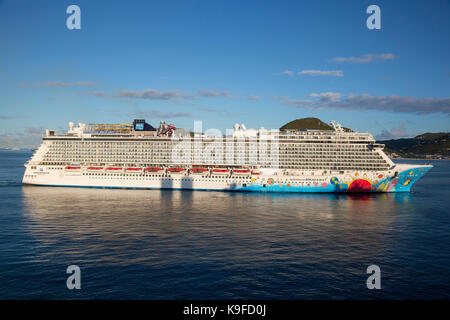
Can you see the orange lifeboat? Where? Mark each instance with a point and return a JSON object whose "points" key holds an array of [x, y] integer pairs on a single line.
{"points": [[154, 169], [198, 170], [176, 170], [114, 169], [241, 171], [220, 171], [133, 169], [95, 168], [72, 168], [255, 173]]}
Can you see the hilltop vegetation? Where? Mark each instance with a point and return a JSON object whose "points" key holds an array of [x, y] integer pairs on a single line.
{"points": [[308, 123]]}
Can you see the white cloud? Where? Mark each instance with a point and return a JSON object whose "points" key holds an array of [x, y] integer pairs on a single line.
{"points": [[59, 84], [330, 96], [253, 97], [99, 94], [290, 73], [29, 137], [10, 117], [213, 93], [226, 94], [153, 94], [366, 58], [403, 104], [334, 73], [208, 93], [394, 133]]}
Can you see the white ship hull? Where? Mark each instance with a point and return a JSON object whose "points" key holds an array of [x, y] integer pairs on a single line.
{"points": [[399, 179]]}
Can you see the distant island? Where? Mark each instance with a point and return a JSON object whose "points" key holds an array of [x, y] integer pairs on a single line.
{"points": [[16, 149], [424, 146], [427, 145]]}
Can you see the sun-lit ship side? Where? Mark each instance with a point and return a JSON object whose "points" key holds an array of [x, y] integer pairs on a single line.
{"points": [[139, 156]]}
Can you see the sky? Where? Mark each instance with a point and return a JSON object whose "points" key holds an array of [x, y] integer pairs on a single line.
{"points": [[262, 63]]}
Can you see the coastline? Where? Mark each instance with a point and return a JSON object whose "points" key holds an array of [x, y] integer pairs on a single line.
{"points": [[424, 159]]}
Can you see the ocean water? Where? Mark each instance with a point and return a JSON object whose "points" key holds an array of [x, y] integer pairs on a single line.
{"points": [[153, 244]]}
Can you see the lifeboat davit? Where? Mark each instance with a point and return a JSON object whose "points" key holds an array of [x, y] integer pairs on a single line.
{"points": [[154, 169], [72, 168], [241, 171], [198, 170], [176, 170], [133, 169], [220, 171], [114, 168], [95, 168]]}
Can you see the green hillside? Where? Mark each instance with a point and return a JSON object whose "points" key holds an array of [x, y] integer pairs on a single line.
{"points": [[309, 123], [306, 123], [424, 144]]}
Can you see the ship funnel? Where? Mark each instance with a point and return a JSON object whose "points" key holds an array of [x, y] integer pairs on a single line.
{"points": [[243, 127], [70, 125], [236, 127]]}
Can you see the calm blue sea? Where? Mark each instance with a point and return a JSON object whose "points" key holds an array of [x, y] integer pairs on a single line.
{"points": [[152, 244]]}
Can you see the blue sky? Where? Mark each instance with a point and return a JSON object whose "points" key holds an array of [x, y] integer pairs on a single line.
{"points": [[262, 63]]}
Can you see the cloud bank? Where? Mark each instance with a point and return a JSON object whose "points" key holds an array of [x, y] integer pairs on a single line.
{"points": [[394, 133], [59, 84], [288, 72], [400, 104], [153, 94], [334, 73], [366, 58], [28, 137], [212, 94]]}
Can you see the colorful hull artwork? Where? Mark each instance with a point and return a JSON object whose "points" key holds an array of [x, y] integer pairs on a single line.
{"points": [[354, 183], [400, 178]]}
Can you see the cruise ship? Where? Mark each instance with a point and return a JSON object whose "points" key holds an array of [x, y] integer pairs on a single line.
{"points": [[137, 155]]}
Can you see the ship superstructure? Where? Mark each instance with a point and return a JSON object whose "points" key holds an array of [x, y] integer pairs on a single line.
{"points": [[136, 155]]}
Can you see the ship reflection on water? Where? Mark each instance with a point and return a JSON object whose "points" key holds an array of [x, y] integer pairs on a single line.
{"points": [[157, 226]]}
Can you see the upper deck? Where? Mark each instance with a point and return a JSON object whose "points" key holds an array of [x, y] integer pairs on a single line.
{"points": [[169, 132]]}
